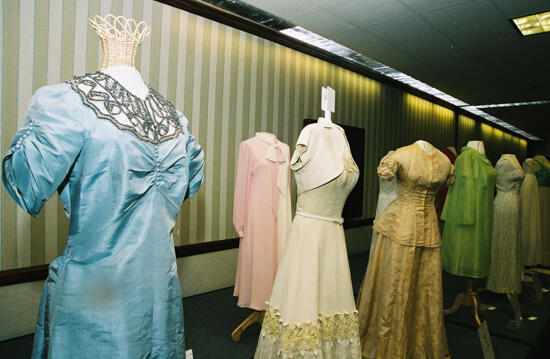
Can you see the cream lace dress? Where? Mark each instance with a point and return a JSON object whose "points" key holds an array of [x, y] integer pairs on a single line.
{"points": [[311, 312], [506, 269], [531, 234]]}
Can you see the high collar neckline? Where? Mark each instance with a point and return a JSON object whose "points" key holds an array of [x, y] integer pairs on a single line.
{"points": [[325, 123], [267, 137]]}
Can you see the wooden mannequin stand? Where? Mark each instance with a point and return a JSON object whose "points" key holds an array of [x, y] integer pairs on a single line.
{"points": [[256, 317], [532, 280], [515, 324], [467, 298], [540, 270], [534, 273], [470, 298]]}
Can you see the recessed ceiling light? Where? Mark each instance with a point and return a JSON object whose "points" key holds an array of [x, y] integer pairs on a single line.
{"points": [[533, 24]]}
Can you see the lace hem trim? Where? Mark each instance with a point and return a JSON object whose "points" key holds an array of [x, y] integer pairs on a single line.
{"points": [[309, 336], [153, 119]]}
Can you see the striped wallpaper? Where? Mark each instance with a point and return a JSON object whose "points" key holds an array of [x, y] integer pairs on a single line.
{"points": [[496, 141], [228, 83]]}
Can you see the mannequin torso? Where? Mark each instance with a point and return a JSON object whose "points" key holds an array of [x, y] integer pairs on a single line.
{"points": [[513, 160], [130, 78], [425, 146], [477, 145], [542, 159]]}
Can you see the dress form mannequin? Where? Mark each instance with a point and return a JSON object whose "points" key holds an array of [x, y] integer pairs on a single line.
{"points": [[470, 297], [139, 163], [130, 78], [426, 146], [256, 267], [543, 159], [505, 273], [513, 159], [120, 38], [477, 145]]}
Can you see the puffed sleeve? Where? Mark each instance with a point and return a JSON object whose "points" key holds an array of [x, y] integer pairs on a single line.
{"points": [[43, 151], [299, 157], [195, 156], [387, 168], [242, 184], [451, 175]]}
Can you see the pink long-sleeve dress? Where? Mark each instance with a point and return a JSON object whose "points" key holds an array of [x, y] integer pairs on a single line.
{"points": [[261, 216]]}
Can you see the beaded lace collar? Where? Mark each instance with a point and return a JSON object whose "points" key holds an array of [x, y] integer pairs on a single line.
{"points": [[153, 119]]}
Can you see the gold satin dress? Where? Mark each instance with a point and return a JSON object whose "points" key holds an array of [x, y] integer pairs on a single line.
{"points": [[401, 304]]}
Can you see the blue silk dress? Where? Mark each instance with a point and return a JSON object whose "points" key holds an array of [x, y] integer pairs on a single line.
{"points": [[123, 167]]}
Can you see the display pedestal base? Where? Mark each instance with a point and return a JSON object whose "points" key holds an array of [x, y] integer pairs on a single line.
{"points": [[531, 280], [256, 317], [515, 324], [544, 271], [468, 298]]}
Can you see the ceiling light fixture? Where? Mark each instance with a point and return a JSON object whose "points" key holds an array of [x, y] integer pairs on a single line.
{"points": [[264, 18], [533, 24], [515, 104], [314, 39], [476, 111], [331, 46]]}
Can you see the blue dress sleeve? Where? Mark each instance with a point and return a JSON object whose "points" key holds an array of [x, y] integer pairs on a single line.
{"points": [[43, 151], [195, 156]]}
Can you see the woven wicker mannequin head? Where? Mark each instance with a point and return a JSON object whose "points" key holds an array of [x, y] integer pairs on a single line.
{"points": [[120, 38]]}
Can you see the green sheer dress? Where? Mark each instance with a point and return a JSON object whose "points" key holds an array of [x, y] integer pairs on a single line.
{"points": [[468, 216]]}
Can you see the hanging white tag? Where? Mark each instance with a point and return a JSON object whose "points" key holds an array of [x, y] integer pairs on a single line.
{"points": [[328, 99], [485, 339], [189, 354]]}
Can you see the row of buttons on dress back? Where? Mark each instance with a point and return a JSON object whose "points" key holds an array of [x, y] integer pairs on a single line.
{"points": [[28, 131], [156, 180]]}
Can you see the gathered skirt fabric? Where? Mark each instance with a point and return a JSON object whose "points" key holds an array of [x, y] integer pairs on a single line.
{"points": [[311, 312], [530, 227], [505, 272], [401, 304]]}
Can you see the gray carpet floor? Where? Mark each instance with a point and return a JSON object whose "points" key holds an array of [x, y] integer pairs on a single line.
{"points": [[211, 317]]}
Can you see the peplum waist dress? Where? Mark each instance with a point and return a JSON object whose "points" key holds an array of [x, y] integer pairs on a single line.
{"points": [[401, 302]]}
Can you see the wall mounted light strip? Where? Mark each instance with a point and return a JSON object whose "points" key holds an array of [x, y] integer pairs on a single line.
{"points": [[314, 39], [261, 17]]}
